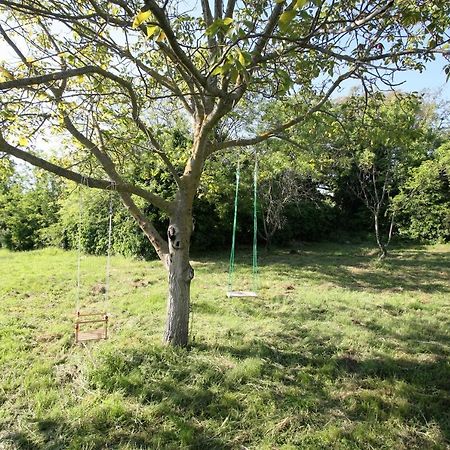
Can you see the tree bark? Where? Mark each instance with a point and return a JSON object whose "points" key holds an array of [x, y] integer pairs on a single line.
{"points": [[180, 276], [381, 246]]}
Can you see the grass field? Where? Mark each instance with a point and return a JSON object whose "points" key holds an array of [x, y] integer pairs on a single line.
{"points": [[339, 351]]}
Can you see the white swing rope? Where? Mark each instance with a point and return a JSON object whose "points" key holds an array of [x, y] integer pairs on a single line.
{"points": [[108, 257], [84, 181]]}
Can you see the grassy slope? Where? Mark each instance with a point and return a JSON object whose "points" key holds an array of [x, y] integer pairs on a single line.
{"points": [[338, 352]]}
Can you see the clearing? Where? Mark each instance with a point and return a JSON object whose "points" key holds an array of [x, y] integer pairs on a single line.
{"points": [[339, 351]]}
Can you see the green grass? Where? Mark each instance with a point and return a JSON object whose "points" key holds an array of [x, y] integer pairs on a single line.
{"points": [[339, 351]]}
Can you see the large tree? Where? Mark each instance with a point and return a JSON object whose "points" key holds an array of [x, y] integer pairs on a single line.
{"points": [[423, 203], [111, 77], [380, 140]]}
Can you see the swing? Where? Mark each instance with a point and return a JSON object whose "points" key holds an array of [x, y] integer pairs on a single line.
{"points": [[91, 334], [87, 326], [240, 293]]}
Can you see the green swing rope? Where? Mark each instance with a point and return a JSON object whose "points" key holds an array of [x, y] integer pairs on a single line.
{"points": [[255, 227], [255, 230], [233, 240]]}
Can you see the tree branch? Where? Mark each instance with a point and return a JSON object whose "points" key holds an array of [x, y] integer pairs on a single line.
{"points": [[34, 11], [5, 147], [276, 130], [207, 15], [69, 73], [108, 164], [377, 12], [218, 9], [164, 23], [230, 8], [159, 244], [47, 78], [270, 26]]}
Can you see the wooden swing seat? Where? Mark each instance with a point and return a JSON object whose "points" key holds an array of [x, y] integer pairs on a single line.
{"points": [[231, 294], [91, 334]]}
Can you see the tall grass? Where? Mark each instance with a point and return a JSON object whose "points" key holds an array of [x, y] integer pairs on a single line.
{"points": [[338, 351]]}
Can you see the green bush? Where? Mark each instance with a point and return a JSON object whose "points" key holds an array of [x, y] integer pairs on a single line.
{"points": [[27, 210], [423, 205], [84, 219]]}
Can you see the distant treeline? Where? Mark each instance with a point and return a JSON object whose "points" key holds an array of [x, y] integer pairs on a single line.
{"points": [[365, 170]]}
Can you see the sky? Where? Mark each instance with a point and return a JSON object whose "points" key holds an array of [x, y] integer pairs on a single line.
{"points": [[432, 80]]}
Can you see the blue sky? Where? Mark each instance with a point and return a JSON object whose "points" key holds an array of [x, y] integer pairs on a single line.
{"points": [[432, 79]]}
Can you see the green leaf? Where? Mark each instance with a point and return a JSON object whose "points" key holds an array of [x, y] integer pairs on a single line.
{"points": [[219, 24], [285, 81], [234, 73], [23, 141], [279, 1], [5, 74], [241, 59], [140, 18], [212, 29], [219, 70], [300, 4], [152, 30], [286, 19], [432, 43], [223, 69], [244, 58]]}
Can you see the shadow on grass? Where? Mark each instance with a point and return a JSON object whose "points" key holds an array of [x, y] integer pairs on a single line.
{"points": [[355, 268], [283, 388], [116, 426], [237, 392], [422, 388]]}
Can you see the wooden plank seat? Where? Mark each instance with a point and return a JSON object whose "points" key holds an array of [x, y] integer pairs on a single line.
{"points": [[241, 294], [84, 329]]}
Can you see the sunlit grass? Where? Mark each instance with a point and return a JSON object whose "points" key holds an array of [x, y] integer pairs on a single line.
{"points": [[338, 351]]}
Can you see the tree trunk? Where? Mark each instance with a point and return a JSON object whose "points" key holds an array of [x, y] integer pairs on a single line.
{"points": [[180, 276], [381, 246]]}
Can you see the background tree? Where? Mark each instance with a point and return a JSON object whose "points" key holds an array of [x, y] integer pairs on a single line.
{"points": [[28, 205], [384, 137], [423, 204], [106, 76]]}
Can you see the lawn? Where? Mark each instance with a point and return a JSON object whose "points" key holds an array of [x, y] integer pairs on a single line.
{"points": [[339, 351]]}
